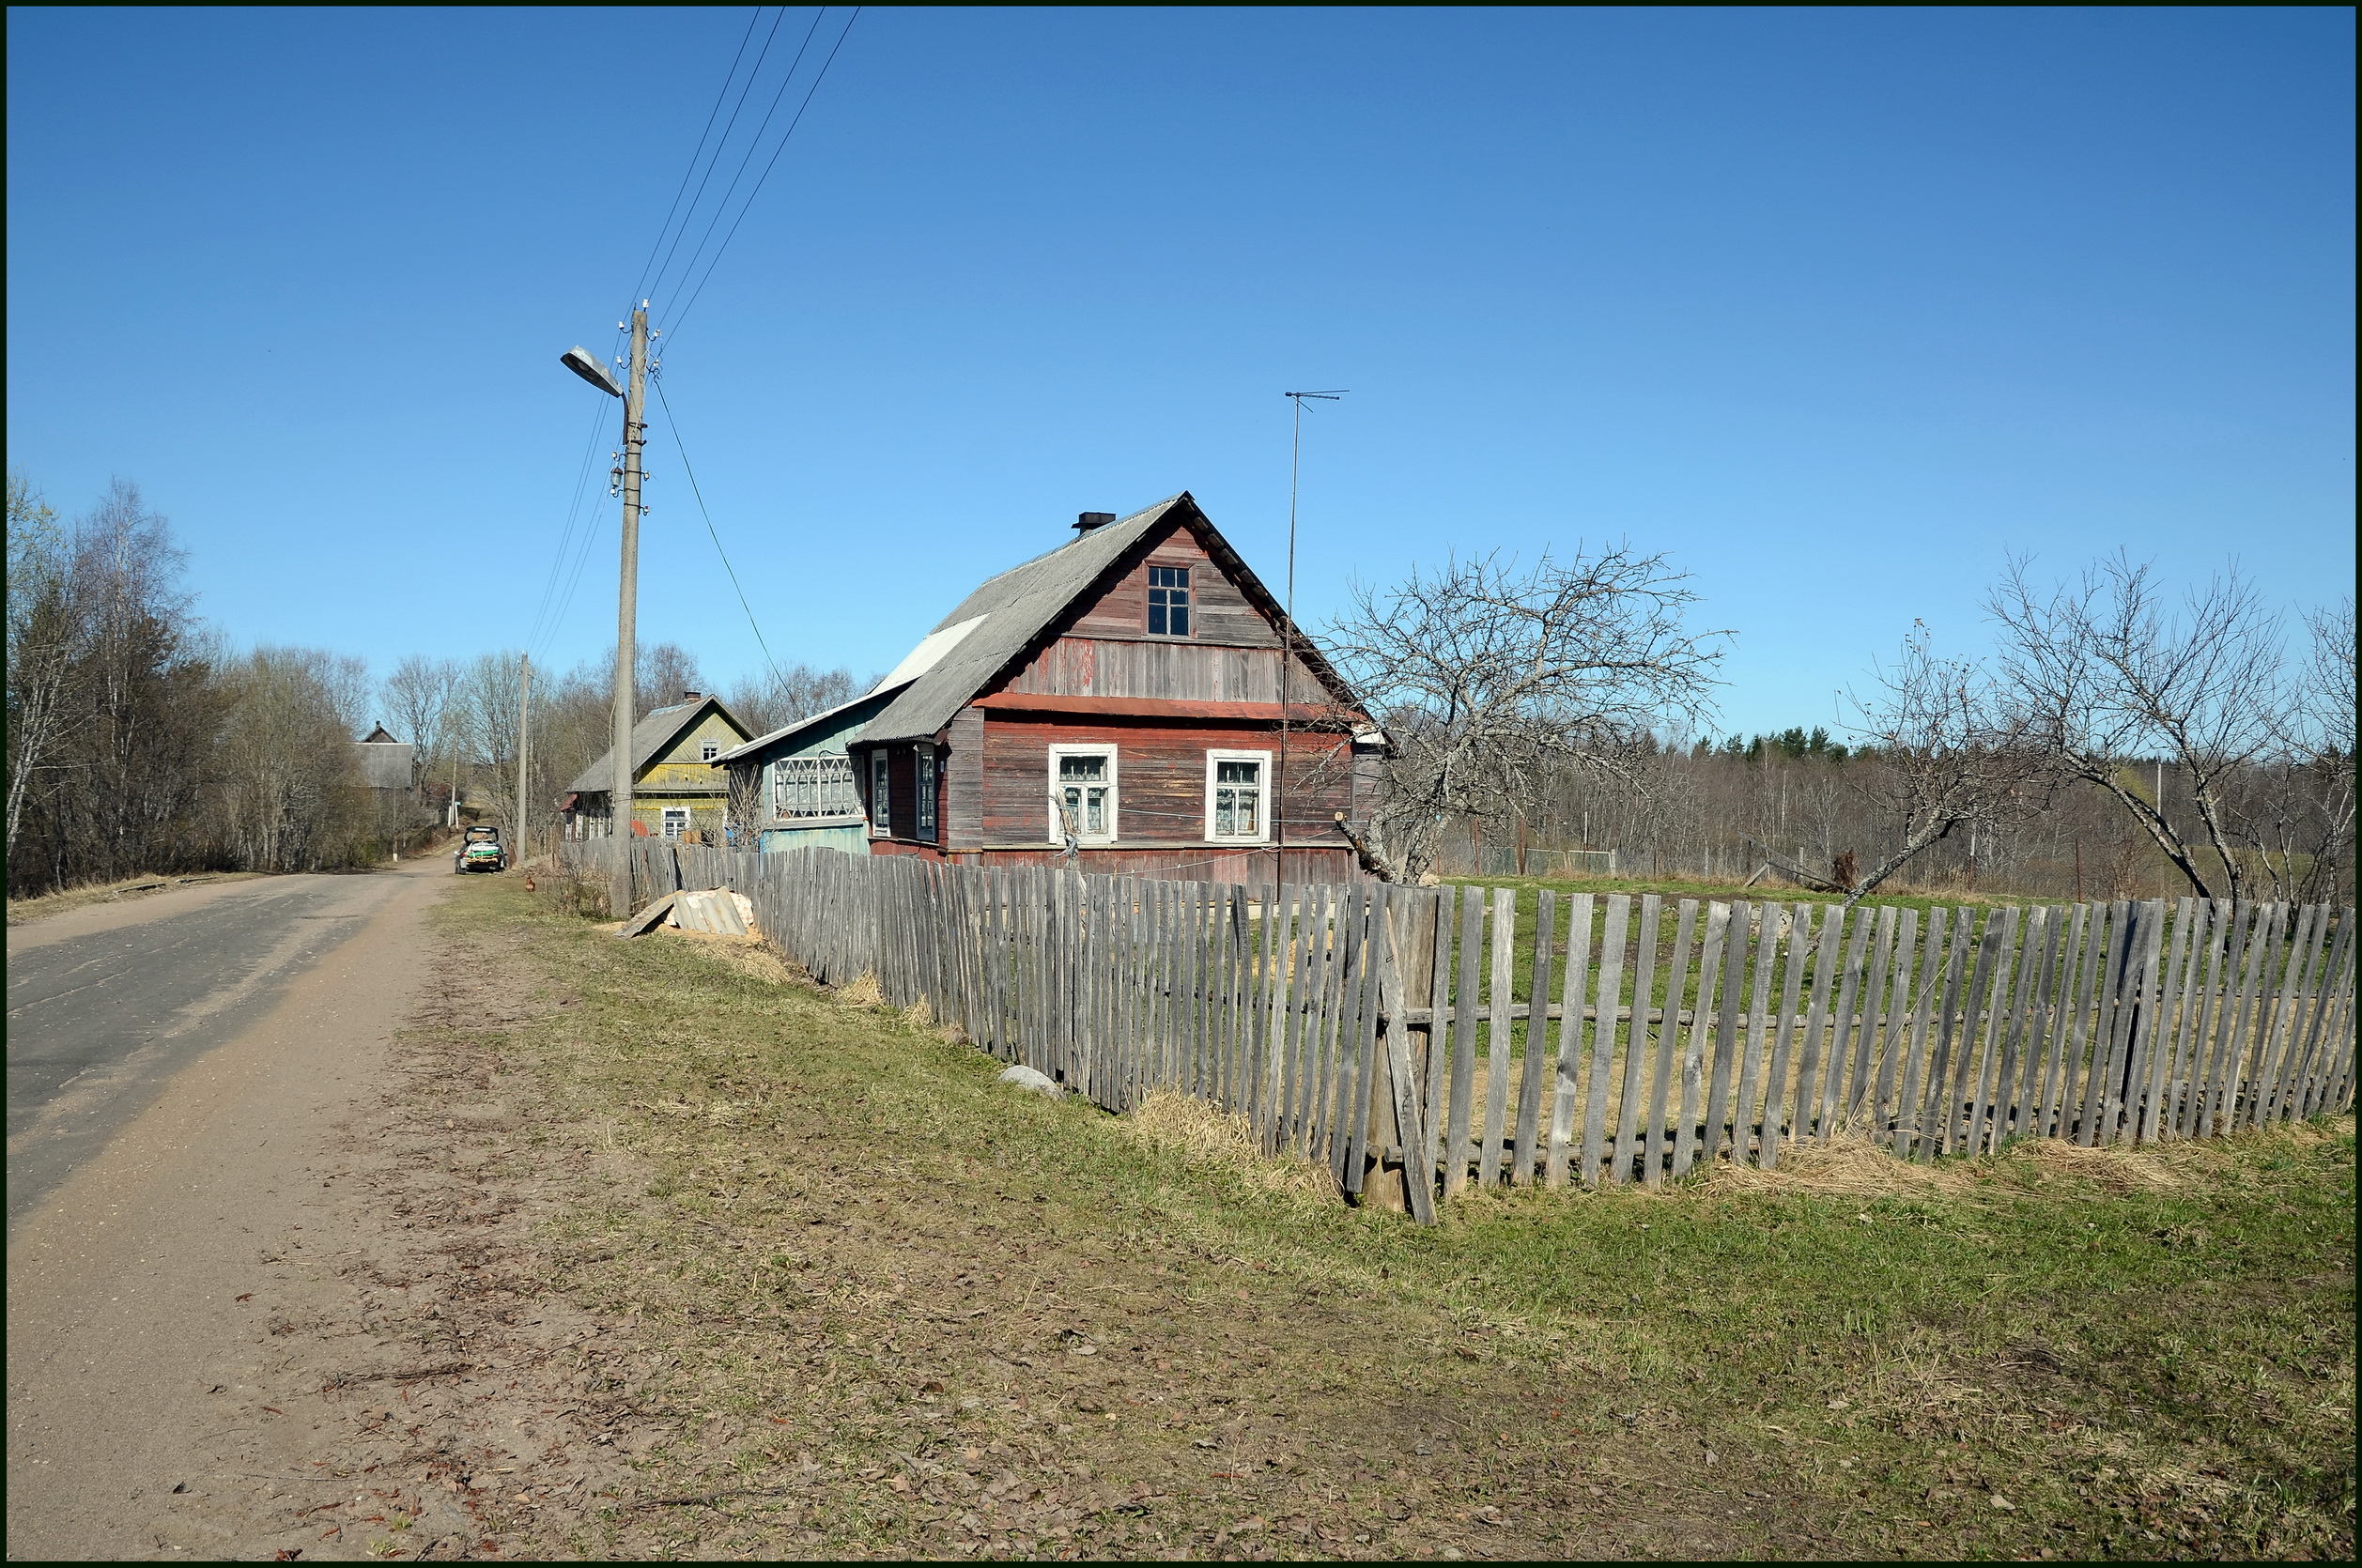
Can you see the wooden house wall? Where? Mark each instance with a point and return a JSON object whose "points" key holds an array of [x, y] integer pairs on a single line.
{"points": [[1159, 667], [1160, 777], [678, 769], [963, 781], [1252, 865], [1219, 612]]}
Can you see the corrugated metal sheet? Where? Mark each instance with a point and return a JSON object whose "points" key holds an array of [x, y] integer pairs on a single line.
{"points": [[717, 913]]}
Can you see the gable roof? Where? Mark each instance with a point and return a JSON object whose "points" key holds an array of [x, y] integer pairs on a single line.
{"points": [[1006, 615], [385, 764], [650, 737]]}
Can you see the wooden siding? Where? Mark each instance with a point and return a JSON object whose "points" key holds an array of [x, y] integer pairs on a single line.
{"points": [[1258, 866], [1157, 668], [1219, 612], [1160, 777], [963, 781]]}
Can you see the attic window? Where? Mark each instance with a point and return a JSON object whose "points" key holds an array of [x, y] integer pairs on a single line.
{"points": [[708, 751], [1169, 600]]}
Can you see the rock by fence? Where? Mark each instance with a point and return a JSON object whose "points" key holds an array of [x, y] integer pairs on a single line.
{"points": [[1418, 1042]]}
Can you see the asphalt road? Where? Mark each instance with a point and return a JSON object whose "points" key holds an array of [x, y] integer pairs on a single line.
{"points": [[108, 1004], [188, 1074]]}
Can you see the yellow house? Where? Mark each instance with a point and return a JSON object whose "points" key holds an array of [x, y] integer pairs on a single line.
{"points": [[675, 786]]}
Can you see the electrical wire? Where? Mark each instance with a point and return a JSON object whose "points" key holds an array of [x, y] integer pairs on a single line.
{"points": [[754, 146], [715, 162], [673, 422], [682, 314], [544, 626], [539, 626], [665, 227]]}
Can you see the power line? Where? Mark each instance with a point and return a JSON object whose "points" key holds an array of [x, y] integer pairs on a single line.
{"points": [[749, 206], [754, 146], [752, 22], [672, 421], [565, 534], [543, 625], [735, 109]]}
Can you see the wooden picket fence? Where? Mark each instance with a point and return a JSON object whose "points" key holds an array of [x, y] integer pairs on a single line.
{"points": [[1420, 1035]]}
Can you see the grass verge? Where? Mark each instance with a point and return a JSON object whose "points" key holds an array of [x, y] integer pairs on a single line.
{"points": [[884, 1305], [41, 906]]}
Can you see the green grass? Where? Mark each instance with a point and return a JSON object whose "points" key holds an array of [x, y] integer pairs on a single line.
{"points": [[834, 1231]]}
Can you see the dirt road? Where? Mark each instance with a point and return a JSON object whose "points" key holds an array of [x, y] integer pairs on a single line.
{"points": [[177, 1072]]}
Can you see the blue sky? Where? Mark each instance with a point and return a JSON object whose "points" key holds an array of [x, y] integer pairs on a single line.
{"points": [[1835, 307]]}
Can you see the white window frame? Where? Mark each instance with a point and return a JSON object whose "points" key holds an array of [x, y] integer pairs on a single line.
{"points": [[708, 750], [925, 773], [675, 821], [1262, 834], [881, 794], [812, 781], [1114, 794]]}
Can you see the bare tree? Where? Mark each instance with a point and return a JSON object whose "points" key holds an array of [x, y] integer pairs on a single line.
{"points": [[2104, 674], [485, 724], [2295, 811], [285, 794], [661, 672], [420, 697], [48, 635], [778, 698], [1488, 678], [1947, 754]]}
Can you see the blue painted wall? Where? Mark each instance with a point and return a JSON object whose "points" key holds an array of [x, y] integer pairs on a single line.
{"points": [[827, 739]]}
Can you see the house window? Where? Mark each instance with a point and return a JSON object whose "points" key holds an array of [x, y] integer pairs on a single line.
{"points": [[1236, 786], [927, 794], [1169, 600], [676, 820], [1083, 793], [881, 797], [814, 787], [708, 751]]}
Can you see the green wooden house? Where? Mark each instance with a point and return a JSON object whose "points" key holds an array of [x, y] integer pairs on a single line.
{"points": [[675, 788]]}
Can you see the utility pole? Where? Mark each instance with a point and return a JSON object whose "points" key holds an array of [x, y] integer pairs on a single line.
{"points": [[524, 746], [626, 652]]}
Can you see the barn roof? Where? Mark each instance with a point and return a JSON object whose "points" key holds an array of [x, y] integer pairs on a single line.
{"points": [[650, 737], [385, 764], [1006, 615]]}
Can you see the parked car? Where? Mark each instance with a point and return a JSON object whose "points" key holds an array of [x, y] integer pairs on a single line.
{"points": [[480, 850]]}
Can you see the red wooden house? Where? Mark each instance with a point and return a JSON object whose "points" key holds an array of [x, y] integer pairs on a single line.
{"points": [[1120, 704]]}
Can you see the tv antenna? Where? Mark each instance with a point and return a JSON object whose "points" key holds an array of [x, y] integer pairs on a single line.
{"points": [[1288, 643]]}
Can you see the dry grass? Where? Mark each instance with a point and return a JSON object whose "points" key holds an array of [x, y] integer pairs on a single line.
{"points": [[861, 992], [24, 911], [1851, 1165], [1207, 1138]]}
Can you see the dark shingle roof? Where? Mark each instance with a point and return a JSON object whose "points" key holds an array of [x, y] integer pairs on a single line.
{"points": [[651, 735]]}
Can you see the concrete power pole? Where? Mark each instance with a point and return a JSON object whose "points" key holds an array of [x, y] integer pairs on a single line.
{"points": [[524, 748], [635, 398]]}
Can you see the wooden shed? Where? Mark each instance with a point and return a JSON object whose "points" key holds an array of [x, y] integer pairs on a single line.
{"points": [[1122, 703]]}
